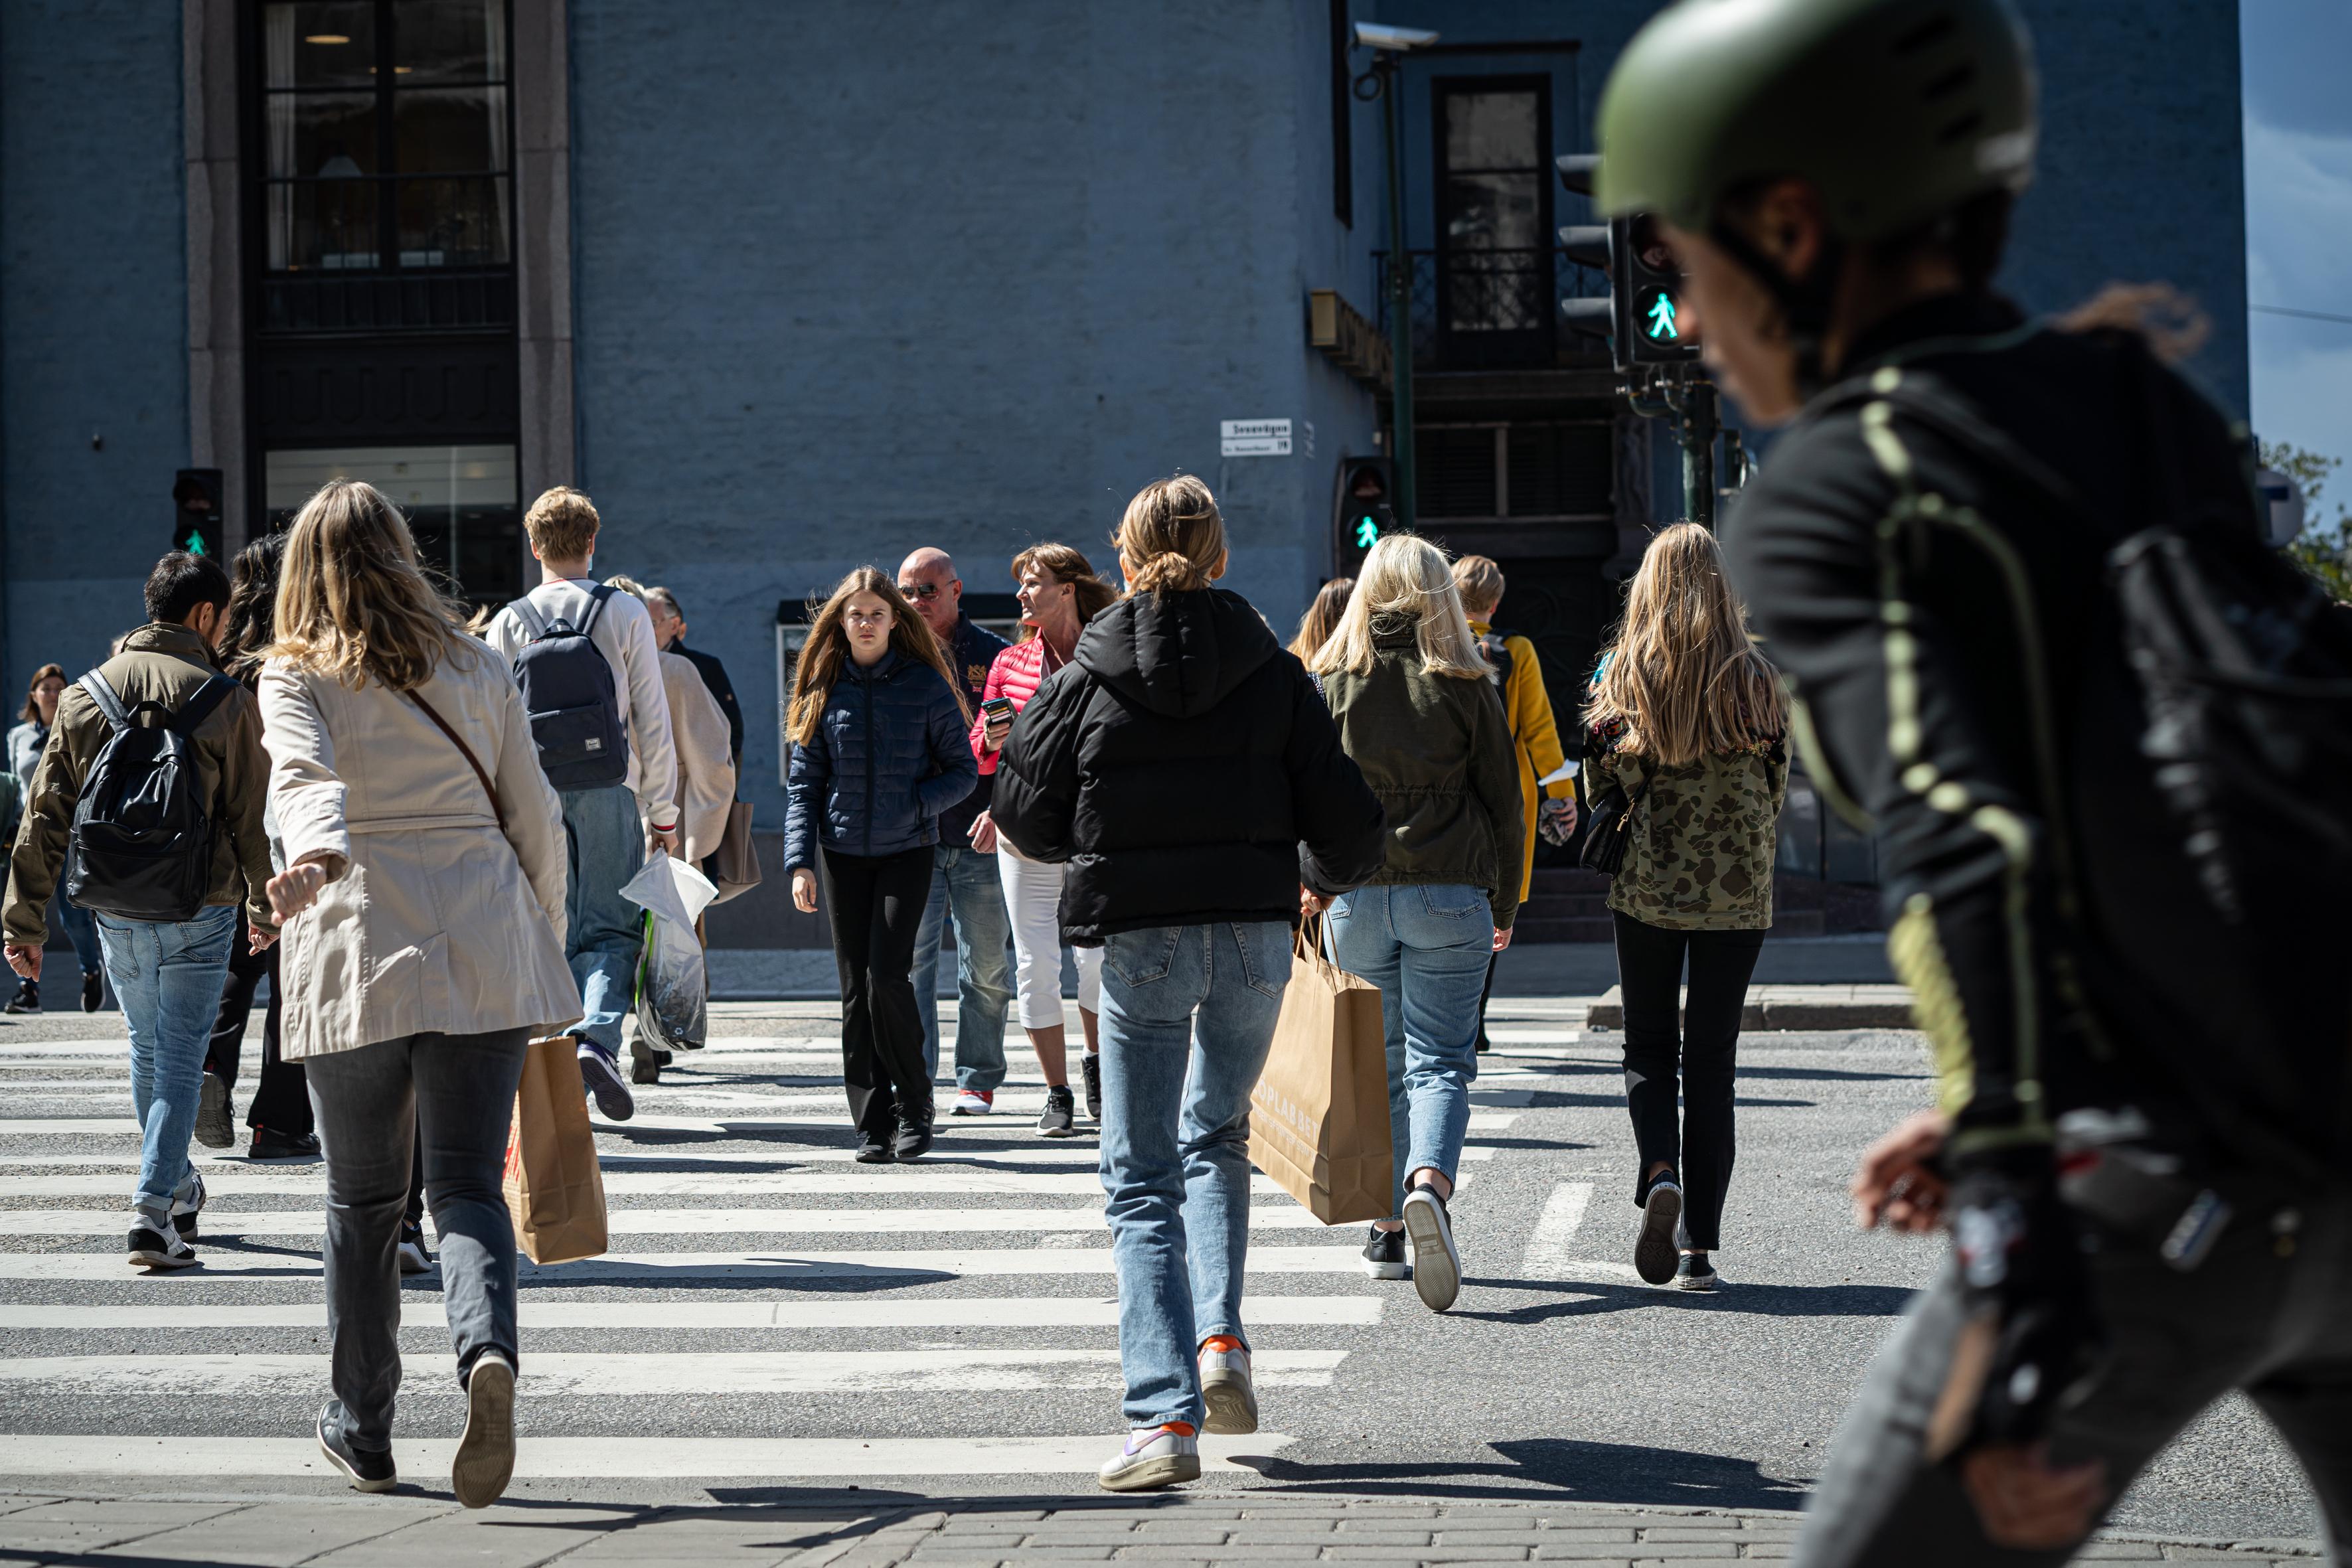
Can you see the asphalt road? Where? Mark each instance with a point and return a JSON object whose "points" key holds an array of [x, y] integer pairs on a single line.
{"points": [[812, 1325]]}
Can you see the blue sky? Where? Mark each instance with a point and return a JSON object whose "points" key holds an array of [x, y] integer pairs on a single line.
{"points": [[2299, 221]]}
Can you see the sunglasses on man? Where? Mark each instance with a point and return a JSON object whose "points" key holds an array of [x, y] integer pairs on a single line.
{"points": [[920, 590]]}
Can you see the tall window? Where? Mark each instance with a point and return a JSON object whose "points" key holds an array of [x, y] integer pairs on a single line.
{"points": [[1494, 218], [387, 137]]}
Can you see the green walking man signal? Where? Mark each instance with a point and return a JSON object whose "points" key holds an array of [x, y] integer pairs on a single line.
{"points": [[196, 505], [1368, 532], [1363, 511], [1658, 319]]}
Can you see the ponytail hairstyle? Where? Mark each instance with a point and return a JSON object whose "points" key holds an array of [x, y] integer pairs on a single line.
{"points": [[1682, 676], [1173, 535], [1406, 583], [828, 649]]}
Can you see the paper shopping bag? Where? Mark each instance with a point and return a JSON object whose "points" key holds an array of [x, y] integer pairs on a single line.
{"points": [[555, 1189], [1320, 1116]]}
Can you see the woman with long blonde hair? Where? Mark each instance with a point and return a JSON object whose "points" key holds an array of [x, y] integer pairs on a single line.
{"points": [[1418, 713], [423, 907], [1183, 770], [879, 751], [1690, 723]]}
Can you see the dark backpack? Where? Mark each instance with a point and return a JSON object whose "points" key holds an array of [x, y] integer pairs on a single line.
{"points": [[567, 690], [1498, 654], [141, 848]]}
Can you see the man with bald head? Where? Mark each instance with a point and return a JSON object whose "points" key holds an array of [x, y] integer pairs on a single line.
{"points": [[966, 884]]}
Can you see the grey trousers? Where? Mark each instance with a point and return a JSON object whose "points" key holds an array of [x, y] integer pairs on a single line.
{"points": [[2265, 1314], [454, 1095]]}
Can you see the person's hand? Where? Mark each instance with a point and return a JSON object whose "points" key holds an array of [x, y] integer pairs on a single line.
{"points": [[2026, 1504], [1310, 902], [1897, 1183], [996, 729], [983, 833], [24, 958], [1556, 821], [804, 889], [258, 941], [667, 839], [1502, 938], [296, 888]]}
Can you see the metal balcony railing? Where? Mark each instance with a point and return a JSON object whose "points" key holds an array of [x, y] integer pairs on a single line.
{"points": [[425, 299], [1493, 310]]}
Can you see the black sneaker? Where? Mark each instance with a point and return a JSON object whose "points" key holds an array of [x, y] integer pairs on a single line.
{"points": [[600, 1075], [27, 999], [414, 1258], [1654, 1243], [215, 1117], [1059, 1119], [93, 992], [1384, 1255], [186, 1209], [149, 1247], [1090, 1065], [873, 1149], [914, 1140], [644, 1070], [269, 1144], [371, 1469], [1695, 1272], [1436, 1266]]}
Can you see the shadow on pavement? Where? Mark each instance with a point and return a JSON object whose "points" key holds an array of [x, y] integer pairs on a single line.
{"points": [[1592, 1296], [1587, 1472]]}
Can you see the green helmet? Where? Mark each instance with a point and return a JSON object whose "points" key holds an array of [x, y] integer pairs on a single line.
{"points": [[1898, 110]]}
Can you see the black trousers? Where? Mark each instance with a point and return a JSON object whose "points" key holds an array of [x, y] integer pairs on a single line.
{"points": [[282, 1103], [877, 903], [1703, 1044]]}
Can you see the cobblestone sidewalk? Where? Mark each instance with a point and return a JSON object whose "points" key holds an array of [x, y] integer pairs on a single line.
{"points": [[846, 1533]]}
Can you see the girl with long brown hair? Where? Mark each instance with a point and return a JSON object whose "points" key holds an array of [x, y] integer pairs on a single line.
{"points": [[421, 904], [1691, 723], [879, 751], [1321, 619]]}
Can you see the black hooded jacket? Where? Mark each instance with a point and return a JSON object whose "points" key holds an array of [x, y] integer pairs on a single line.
{"points": [[1184, 767]]}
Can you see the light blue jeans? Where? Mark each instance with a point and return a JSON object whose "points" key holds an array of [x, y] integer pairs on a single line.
{"points": [[606, 932], [964, 883], [168, 977], [80, 928], [1426, 947], [1188, 1016]]}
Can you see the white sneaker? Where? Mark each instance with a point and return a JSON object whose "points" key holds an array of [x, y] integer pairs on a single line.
{"points": [[414, 1258], [974, 1102], [1154, 1456], [1436, 1265], [158, 1247], [486, 1452], [1226, 1386]]}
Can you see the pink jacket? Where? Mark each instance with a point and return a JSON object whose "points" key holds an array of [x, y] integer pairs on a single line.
{"points": [[1017, 673]]}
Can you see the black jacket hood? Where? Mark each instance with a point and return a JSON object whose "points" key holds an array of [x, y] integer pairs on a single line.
{"points": [[1176, 654]]}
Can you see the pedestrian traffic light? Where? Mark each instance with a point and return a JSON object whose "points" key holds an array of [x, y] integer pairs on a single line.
{"points": [[1361, 510], [1641, 315], [197, 495]]}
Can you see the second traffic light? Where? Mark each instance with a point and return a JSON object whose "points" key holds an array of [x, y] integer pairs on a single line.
{"points": [[1642, 316], [196, 507], [1361, 513]]}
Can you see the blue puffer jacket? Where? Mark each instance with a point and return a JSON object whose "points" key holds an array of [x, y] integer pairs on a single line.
{"points": [[892, 756]]}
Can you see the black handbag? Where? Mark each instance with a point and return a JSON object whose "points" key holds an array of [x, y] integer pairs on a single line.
{"points": [[1612, 822]]}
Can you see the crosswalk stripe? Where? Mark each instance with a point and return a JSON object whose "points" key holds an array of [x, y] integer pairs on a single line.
{"points": [[886, 1180], [1071, 1152], [763, 1104], [594, 1457], [1282, 1216], [1547, 1243], [1050, 1312], [617, 1374], [123, 1127], [782, 1268]]}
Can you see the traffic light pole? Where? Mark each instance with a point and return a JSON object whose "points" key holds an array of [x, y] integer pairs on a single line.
{"points": [[1696, 430], [1385, 71]]}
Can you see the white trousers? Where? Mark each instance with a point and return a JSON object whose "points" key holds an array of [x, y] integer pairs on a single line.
{"points": [[1033, 897]]}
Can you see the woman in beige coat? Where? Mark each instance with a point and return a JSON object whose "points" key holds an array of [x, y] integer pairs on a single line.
{"points": [[423, 910]]}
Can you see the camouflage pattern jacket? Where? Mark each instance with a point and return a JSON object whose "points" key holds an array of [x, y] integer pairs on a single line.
{"points": [[1699, 854]]}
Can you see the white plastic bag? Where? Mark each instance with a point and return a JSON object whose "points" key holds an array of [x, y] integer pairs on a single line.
{"points": [[673, 987]]}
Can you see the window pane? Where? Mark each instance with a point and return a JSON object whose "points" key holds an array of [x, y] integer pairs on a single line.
{"points": [[450, 40], [1494, 211], [326, 226], [456, 130], [453, 223], [1491, 131], [460, 502], [318, 43], [331, 135]]}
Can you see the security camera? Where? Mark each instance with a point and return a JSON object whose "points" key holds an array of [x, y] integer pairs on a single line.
{"points": [[1392, 41]]}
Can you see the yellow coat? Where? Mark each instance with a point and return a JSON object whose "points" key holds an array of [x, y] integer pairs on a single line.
{"points": [[1534, 737]]}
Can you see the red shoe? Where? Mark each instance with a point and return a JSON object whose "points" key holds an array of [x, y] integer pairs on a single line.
{"points": [[974, 1102]]}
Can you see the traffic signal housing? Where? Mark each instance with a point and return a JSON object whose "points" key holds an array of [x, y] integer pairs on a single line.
{"points": [[196, 498], [1642, 315], [1362, 513]]}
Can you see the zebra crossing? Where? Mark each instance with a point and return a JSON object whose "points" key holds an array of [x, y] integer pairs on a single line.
{"points": [[768, 1309]]}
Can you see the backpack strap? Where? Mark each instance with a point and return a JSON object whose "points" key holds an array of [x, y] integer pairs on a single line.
{"points": [[199, 708], [596, 597], [533, 623], [108, 702]]}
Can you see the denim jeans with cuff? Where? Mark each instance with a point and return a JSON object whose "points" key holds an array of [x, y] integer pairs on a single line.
{"points": [[605, 932], [167, 976], [1426, 947], [1188, 1016], [965, 886]]}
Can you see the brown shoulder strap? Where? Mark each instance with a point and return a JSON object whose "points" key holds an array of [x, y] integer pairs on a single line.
{"points": [[459, 741]]}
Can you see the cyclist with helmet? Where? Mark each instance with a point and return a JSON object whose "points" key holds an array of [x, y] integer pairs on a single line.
{"points": [[1929, 554]]}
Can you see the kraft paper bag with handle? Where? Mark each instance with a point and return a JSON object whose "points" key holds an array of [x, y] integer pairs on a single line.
{"points": [[1319, 1115], [555, 1190]]}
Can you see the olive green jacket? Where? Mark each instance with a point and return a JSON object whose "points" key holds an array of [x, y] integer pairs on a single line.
{"points": [[1437, 752], [163, 664], [1698, 854]]}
